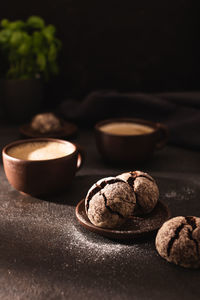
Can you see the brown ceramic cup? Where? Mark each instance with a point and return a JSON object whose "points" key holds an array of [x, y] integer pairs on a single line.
{"points": [[134, 148], [44, 176]]}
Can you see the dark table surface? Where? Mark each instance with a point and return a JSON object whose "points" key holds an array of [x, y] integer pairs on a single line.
{"points": [[46, 254]]}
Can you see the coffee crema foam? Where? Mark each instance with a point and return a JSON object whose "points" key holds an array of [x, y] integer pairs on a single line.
{"points": [[40, 150], [126, 128]]}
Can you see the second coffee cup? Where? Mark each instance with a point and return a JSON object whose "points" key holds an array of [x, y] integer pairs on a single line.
{"points": [[125, 140]]}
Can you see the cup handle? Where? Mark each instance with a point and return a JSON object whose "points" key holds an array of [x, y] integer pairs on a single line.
{"points": [[81, 156], [163, 136]]}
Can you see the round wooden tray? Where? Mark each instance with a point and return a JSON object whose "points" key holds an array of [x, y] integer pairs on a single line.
{"points": [[68, 129], [135, 227]]}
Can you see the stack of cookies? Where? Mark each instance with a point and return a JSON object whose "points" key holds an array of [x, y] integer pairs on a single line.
{"points": [[111, 200]]}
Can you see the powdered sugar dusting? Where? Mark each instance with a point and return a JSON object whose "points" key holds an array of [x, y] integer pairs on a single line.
{"points": [[171, 194], [99, 248], [180, 195]]}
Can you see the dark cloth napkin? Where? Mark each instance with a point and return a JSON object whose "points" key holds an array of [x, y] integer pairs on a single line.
{"points": [[179, 111]]}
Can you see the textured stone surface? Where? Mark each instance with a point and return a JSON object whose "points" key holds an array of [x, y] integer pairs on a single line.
{"points": [[178, 241], [46, 254], [145, 189]]}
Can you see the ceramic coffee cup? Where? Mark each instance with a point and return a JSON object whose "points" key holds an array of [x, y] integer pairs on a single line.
{"points": [[41, 166], [125, 140]]}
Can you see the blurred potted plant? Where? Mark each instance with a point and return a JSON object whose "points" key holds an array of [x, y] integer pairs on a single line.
{"points": [[28, 56]]}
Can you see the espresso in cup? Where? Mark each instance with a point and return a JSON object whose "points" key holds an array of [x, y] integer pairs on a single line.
{"points": [[126, 128], [40, 150]]}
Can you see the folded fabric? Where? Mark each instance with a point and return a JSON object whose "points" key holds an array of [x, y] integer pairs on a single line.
{"points": [[179, 111]]}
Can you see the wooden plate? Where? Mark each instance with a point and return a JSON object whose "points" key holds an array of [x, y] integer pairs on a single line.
{"points": [[134, 228], [68, 129]]}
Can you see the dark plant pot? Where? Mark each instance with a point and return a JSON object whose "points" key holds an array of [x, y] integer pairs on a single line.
{"points": [[21, 98]]}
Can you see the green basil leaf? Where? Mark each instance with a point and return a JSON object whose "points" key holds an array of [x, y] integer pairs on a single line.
{"points": [[4, 23], [35, 22], [52, 54], [49, 32], [17, 25], [16, 38], [24, 49], [41, 61], [5, 35]]}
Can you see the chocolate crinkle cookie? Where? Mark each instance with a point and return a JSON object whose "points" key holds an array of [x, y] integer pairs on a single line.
{"points": [[109, 202], [178, 241], [46, 123], [145, 189]]}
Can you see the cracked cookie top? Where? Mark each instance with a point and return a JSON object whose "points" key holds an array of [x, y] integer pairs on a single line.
{"points": [[145, 189], [178, 241], [109, 202]]}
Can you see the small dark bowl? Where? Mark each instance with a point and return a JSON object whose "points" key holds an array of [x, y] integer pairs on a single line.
{"points": [[130, 148], [41, 177]]}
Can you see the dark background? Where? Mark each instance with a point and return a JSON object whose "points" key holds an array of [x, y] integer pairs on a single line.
{"points": [[146, 46]]}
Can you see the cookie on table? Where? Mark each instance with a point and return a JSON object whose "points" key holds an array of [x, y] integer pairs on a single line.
{"points": [[178, 241], [145, 189], [109, 202]]}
